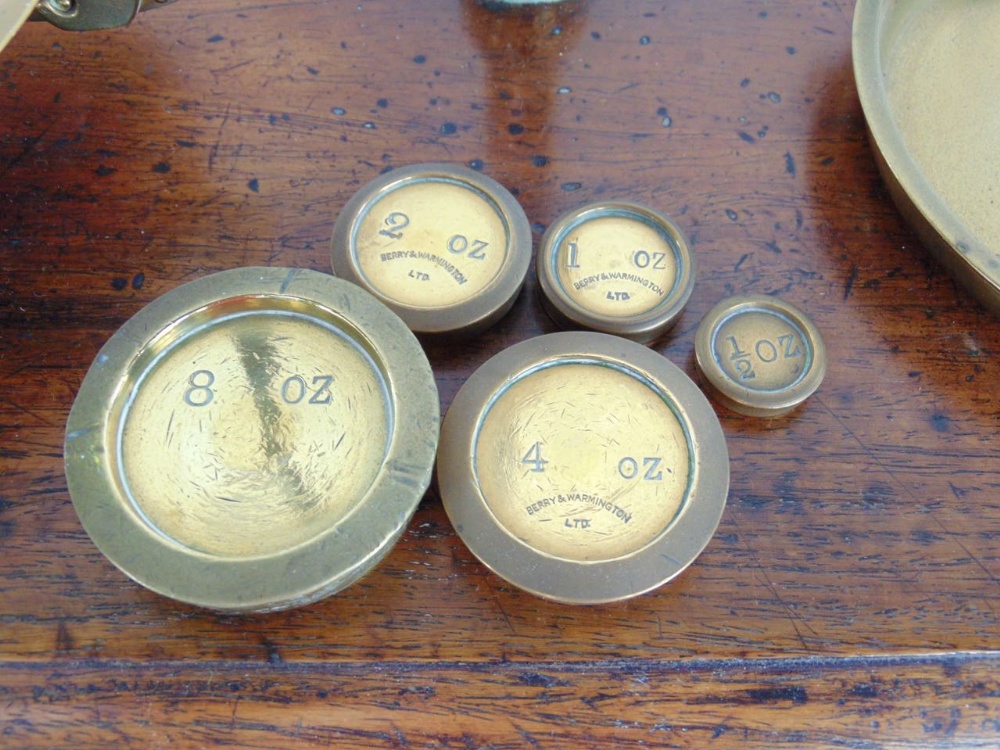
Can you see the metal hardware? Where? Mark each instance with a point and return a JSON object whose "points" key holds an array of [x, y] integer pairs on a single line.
{"points": [[90, 15]]}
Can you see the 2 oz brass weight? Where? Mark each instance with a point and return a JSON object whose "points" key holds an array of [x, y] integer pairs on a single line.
{"points": [[445, 247]]}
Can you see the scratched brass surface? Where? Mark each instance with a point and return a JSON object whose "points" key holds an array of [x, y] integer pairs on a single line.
{"points": [[616, 267], [927, 77], [583, 467], [760, 355], [243, 444], [236, 429], [444, 246]]}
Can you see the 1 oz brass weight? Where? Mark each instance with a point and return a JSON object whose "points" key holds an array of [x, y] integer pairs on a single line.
{"points": [[616, 267]]}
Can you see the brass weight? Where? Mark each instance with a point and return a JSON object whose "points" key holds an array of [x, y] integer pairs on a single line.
{"points": [[253, 440], [762, 356], [445, 247], [583, 467], [616, 267]]}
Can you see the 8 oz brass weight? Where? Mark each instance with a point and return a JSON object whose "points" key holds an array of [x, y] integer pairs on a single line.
{"points": [[253, 440]]}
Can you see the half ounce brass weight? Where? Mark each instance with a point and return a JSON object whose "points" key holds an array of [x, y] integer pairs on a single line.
{"points": [[761, 356], [583, 467], [445, 247], [616, 267], [253, 440]]}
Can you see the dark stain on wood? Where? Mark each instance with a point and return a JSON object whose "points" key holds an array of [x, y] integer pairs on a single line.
{"points": [[792, 694], [852, 277]]}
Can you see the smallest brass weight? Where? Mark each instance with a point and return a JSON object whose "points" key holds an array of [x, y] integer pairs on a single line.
{"points": [[445, 247], [761, 356], [616, 267]]}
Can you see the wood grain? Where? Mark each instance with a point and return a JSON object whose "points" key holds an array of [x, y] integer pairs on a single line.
{"points": [[861, 543], [851, 703]]}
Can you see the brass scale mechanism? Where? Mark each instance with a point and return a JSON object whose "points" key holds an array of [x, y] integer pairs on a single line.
{"points": [[87, 15], [72, 15]]}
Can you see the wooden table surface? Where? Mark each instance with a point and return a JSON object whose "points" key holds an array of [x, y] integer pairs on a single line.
{"points": [[850, 595]]}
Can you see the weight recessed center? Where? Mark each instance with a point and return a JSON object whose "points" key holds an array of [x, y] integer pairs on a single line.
{"points": [[616, 266], [254, 435], [431, 244], [445, 247], [764, 351], [583, 461]]}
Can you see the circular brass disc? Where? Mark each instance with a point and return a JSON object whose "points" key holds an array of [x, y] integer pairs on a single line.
{"points": [[13, 14], [583, 467], [762, 356], [253, 440], [616, 267], [445, 247], [926, 73]]}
